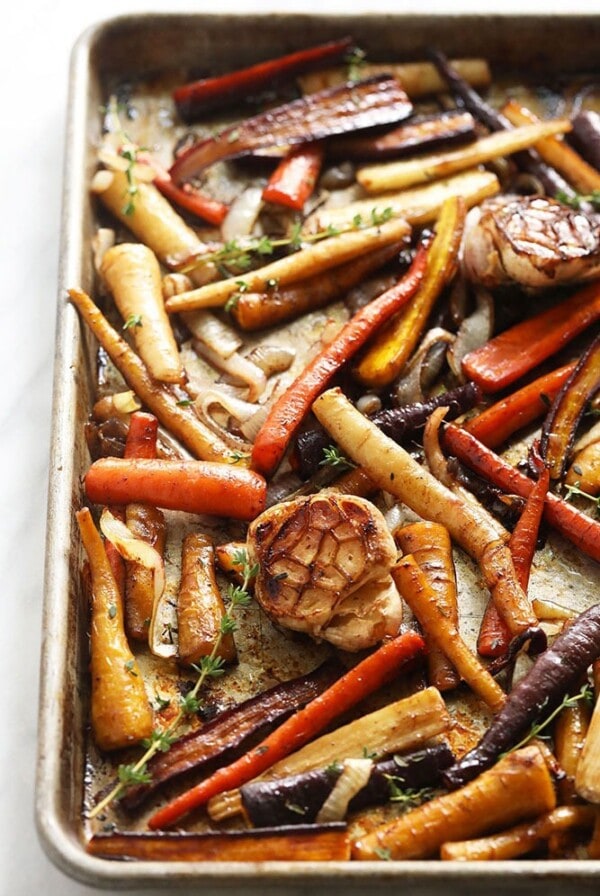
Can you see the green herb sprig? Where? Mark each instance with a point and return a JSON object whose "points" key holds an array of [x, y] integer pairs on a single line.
{"points": [[574, 490], [332, 457], [580, 199], [210, 666], [584, 694]]}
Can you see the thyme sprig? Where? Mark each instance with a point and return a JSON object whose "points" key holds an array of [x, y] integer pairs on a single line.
{"points": [[574, 490], [585, 694], [210, 666], [408, 797], [237, 256], [580, 199], [333, 457]]}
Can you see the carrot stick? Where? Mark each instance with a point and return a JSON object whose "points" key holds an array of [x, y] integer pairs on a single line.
{"points": [[496, 424], [579, 529], [422, 600], [366, 677], [120, 712], [197, 97], [516, 351], [187, 485], [394, 344], [518, 787], [494, 636], [290, 409], [294, 179], [430, 545]]}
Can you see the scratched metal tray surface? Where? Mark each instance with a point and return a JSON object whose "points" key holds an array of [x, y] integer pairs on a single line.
{"points": [[137, 47]]}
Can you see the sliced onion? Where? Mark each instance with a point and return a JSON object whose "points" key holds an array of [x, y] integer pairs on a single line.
{"points": [[120, 404], [474, 331], [354, 776], [272, 358], [236, 366], [212, 332], [250, 427], [173, 284], [242, 214], [424, 366], [133, 548]]}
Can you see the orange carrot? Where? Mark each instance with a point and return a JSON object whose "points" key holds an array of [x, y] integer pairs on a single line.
{"points": [[294, 179], [187, 485], [290, 409], [580, 529], [494, 636], [500, 421], [516, 351], [365, 678]]}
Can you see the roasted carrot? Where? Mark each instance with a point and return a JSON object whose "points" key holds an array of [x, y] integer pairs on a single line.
{"points": [[494, 636], [190, 486], [514, 352], [259, 310], [580, 529], [569, 735], [295, 178], [364, 678], [200, 608], [120, 712], [518, 787], [558, 430], [556, 152], [522, 839], [292, 406], [192, 200], [430, 545], [141, 435], [198, 97], [500, 421], [422, 599], [386, 356], [307, 843]]}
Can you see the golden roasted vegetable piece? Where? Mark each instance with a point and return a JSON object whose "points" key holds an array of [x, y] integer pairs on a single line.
{"points": [[324, 569], [518, 787], [200, 607], [120, 712], [132, 273]]}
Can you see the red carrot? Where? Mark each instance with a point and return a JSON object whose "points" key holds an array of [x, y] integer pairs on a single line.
{"points": [[207, 94], [294, 179], [365, 678], [290, 409], [500, 421], [192, 200], [580, 529], [494, 636], [187, 485], [516, 351], [141, 435]]}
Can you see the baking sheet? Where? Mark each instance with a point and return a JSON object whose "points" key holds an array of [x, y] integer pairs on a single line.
{"points": [[131, 47]]}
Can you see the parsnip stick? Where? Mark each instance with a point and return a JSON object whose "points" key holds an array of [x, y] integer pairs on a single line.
{"points": [[120, 712], [521, 839], [430, 545], [437, 626], [318, 257], [418, 206], [151, 218], [181, 421], [132, 274], [391, 468], [518, 787], [417, 78], [399, 727], [587, 777], [395, 175]]}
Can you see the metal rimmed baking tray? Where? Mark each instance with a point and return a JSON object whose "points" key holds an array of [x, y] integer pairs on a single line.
{"points": [[143, 45]]}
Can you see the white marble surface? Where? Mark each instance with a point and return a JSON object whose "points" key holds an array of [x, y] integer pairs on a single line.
{"points": [[37, 38]]}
